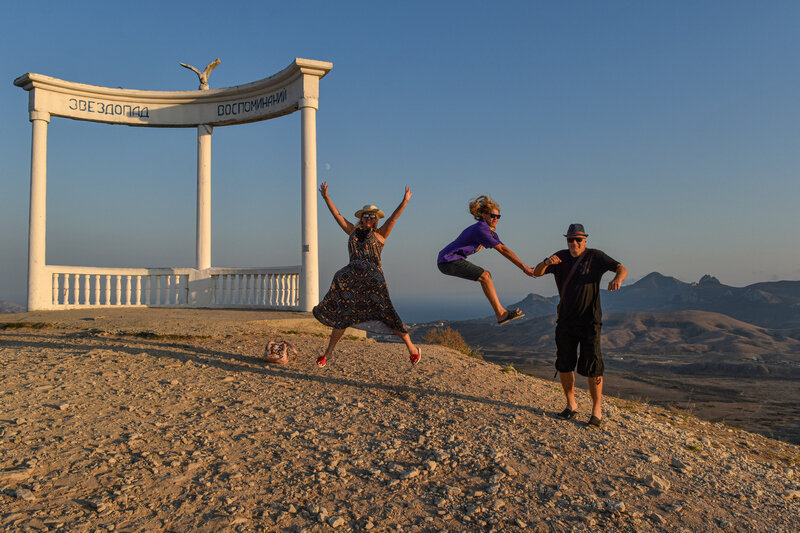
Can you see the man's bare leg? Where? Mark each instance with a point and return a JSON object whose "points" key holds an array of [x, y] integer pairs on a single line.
{"points": [[568, 384], [596, 392]]}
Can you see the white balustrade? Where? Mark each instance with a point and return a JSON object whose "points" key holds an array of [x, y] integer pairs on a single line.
{"points": [[239, 288], [267, 288]]}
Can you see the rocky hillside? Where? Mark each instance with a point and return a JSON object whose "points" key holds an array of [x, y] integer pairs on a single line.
{"points": [[162, 420]]}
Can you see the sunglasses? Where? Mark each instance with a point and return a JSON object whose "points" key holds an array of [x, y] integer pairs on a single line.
{"points": [[369, 215], [492, 215], [575, 239]]}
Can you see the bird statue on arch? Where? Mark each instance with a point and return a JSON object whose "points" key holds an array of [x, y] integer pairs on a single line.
{"points": [[203, 75]]}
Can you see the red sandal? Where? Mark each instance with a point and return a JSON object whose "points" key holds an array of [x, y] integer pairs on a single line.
{"points": [[322, 361], [415, 357]]}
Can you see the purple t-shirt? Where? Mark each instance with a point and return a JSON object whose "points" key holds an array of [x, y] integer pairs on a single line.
{"points": [[468, 242]]}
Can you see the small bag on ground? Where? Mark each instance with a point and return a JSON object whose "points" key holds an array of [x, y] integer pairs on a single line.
{"points": [[277, 353]]}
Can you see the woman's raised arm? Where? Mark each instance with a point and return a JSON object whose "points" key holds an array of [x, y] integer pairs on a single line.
{"points": [[386, 229], [345, 224]]}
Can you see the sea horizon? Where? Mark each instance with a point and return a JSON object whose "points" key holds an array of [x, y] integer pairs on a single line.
{"points": [[416, 311]]}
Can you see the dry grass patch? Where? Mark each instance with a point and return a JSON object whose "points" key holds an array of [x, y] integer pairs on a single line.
{"points": [[152, 335], [30, 325], [450, 338]]}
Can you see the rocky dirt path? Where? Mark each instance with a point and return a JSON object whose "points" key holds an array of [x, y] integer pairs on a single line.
{"points": [[116, 423]]}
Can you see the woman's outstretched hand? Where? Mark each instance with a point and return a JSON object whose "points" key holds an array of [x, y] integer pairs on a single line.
{"points": [[407, 195], [343, 223]]}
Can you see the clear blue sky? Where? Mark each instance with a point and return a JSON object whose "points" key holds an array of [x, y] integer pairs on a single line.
{"points": [[670, 129]]}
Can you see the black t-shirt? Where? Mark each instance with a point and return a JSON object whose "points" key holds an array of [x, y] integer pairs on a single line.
{"points": [[581, 303]]}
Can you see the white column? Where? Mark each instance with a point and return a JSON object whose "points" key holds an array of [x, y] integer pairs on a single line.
{"points": [[203, 248], [39, 286], [309, 279]]}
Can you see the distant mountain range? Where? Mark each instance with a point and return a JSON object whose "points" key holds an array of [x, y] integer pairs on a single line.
{"points": [[773, 304], [10, 307], [660, 314]]}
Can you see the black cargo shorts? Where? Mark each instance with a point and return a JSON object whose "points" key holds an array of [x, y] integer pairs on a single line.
{"points": [[571, 337]]}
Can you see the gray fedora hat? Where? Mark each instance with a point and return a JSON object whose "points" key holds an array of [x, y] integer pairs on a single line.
{"points": [[576, 230]]}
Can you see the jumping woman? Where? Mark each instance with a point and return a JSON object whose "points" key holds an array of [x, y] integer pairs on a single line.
{"points": [[452, 259]]}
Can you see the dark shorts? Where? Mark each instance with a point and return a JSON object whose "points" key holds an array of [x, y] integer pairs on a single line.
{"points": [[461, 268], [568, 339]]}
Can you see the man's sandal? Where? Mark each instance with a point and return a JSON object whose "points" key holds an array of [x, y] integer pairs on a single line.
{"points": [[594, 422], [567, 414]]}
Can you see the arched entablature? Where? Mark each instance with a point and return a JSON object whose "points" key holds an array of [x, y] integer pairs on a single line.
{"points": [[294, 87]]}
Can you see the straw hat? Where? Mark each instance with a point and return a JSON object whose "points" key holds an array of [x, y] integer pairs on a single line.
{"points": [[369, 208]]}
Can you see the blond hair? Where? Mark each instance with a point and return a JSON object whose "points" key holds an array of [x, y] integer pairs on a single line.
{"points": [[481, 205]]}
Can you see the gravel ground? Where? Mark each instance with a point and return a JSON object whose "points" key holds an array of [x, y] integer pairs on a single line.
{"points": [[166, 420]]}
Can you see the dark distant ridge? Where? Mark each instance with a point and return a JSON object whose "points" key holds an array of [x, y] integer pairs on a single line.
{"points": [[10, 307], [535, 305], [772, 304], [769, 304]]}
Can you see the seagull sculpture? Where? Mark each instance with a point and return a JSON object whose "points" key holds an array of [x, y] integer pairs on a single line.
{"points": [[203, 75]]}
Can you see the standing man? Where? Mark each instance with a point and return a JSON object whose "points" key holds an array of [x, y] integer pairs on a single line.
{"points": [[578, 271]]}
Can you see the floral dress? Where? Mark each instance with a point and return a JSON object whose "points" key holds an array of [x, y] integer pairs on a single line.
{"points": [[358, 291]]}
